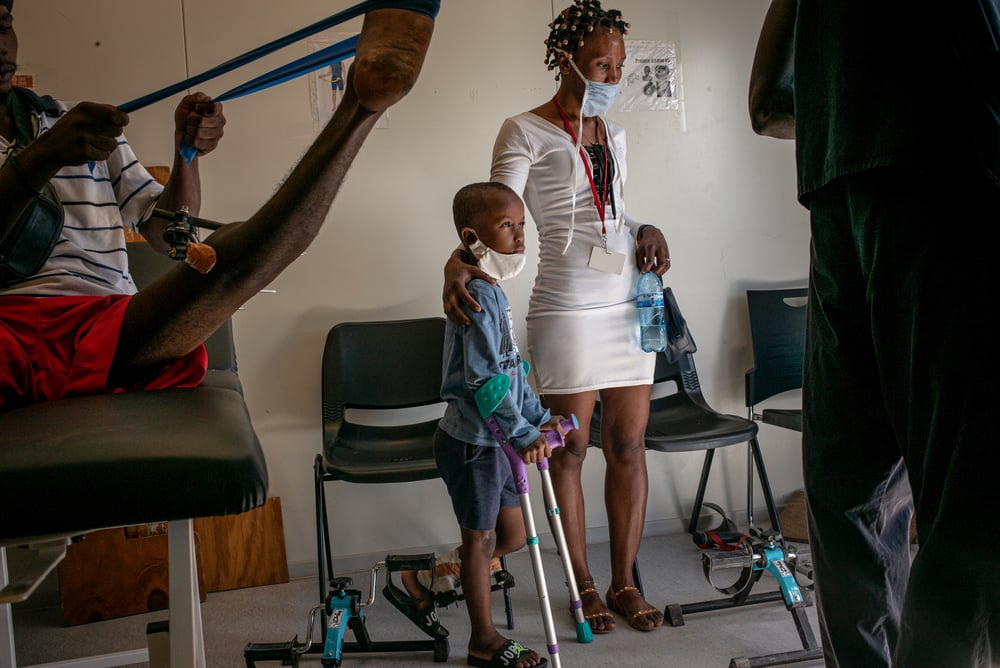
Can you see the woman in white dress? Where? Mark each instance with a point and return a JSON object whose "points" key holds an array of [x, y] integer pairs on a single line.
{"points": [[582, 321]]}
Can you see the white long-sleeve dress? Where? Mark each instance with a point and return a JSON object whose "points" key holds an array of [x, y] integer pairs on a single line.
{"points": [[582, 323]]}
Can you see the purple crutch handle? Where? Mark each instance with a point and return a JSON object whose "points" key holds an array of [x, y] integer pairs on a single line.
{"points": [[517, 465], [556, 439]]}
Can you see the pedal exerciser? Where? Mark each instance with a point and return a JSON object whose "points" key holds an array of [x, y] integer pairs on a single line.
{"points": [[754, 554], [343, 610]]}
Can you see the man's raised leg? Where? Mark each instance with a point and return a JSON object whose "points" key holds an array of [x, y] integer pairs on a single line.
{"points": [[179, 311]]}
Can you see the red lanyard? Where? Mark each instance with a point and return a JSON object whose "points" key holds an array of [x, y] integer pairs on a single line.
{"points": [[599, 202]]}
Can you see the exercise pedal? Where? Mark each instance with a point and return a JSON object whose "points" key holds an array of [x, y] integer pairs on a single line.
{"points": [[503, 581], [395, 563], [274, 651]]}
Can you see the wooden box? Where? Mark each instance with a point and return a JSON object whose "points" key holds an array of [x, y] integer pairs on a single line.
{"points": [[794, 520], [119, 572]]}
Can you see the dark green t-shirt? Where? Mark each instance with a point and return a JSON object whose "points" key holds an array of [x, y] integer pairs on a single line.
{"points": [[881, 83]]}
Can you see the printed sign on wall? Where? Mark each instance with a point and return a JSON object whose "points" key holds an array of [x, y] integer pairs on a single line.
{"points": [[650, 79]]}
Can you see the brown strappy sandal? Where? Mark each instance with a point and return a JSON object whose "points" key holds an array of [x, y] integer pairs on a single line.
{"points": [[586, 588], [631, 618]]}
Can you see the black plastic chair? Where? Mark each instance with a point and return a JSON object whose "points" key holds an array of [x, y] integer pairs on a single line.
{"points": [[378, 366], [682, 421], [778, 336]]}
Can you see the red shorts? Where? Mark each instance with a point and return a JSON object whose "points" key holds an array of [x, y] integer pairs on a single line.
{"points": [[54, 347]]}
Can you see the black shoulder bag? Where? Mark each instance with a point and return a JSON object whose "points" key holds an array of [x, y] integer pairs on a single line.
{"points": [[28, 243], [679, 339]]}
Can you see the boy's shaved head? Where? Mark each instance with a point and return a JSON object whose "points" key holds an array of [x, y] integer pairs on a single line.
{"points": [[471, 199]]}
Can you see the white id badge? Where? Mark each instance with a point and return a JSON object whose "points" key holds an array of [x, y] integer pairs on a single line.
{"points": [[602, 260]]}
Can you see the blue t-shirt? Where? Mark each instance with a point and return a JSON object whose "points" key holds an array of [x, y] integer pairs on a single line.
{"points": [[475, 354]]}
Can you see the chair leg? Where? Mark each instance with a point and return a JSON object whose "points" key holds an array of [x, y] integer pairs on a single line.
{"points": [[187, 644], [7, 658], [699, 498], [758, 462], [765, 485], [322, 533], [508, 608]]}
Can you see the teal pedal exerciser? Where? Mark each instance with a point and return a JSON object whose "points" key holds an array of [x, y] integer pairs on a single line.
{"points": [[753, 554], [343, 611]]}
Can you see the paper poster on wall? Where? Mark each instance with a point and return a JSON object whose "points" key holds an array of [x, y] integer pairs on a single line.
{"points": [[649, 82], [327, 83]]}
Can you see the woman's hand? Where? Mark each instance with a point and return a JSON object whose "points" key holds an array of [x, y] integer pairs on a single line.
{"points": [[457, 273], [651, 247]]}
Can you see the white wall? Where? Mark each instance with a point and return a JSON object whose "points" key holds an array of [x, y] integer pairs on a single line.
{"points": [[724, 197]]}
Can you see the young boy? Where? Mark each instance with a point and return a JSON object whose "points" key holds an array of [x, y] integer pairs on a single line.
{"points": [[489, 218]]}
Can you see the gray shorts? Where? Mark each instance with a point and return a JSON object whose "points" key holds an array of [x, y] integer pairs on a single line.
{"points": [[478, 478]]}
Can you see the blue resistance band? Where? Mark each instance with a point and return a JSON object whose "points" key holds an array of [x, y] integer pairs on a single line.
{"points": [[310, 63]]}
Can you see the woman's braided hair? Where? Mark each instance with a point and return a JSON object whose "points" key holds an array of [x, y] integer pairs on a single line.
{"points": [[572, 26]]}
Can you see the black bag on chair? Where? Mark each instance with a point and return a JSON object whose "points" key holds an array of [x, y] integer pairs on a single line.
{"points": [[679, 339]]}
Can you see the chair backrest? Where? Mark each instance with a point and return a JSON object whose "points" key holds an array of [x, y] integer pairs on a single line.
{"points": [[382, 365], [777, 334], [145, 265], [683, 374]]}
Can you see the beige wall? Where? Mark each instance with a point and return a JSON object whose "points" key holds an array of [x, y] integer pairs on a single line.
{"points": [[723, 196]]}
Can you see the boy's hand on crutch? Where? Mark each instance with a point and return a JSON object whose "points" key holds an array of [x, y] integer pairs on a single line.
{"points": [[537, 451], [541, 449]]}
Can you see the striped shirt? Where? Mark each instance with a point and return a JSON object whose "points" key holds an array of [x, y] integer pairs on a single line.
{"points": [[98, 201]]}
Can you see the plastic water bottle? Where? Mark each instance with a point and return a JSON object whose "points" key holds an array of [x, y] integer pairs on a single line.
{"points": [[652, 315]]}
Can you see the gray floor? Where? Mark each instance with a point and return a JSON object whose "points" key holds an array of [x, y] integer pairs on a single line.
{"points": [[671, 572]]}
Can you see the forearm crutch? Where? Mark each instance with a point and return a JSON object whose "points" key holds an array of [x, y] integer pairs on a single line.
{"points": [[583, 631], [488, 398]]}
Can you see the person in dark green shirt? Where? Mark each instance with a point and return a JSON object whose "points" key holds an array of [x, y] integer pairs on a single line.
{"points": [[894, 111]]}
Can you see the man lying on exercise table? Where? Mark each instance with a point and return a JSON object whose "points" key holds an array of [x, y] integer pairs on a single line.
{"points": [[77, 325]]}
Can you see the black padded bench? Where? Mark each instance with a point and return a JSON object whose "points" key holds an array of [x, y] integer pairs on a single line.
{"points": [[77, 465]]}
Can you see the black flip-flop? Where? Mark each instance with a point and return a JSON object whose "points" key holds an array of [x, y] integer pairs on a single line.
{"points": [[506, 657], [426, 618]]}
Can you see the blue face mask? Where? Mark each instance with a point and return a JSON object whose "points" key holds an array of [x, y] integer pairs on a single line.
{"points": [[599, 97]]}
